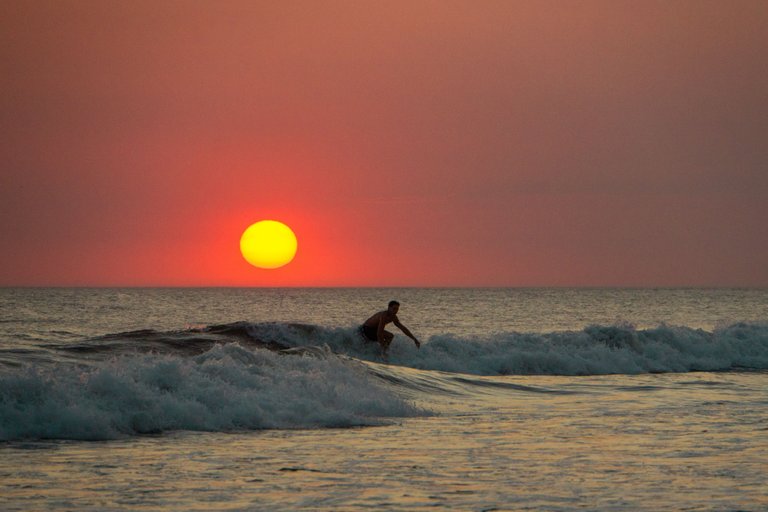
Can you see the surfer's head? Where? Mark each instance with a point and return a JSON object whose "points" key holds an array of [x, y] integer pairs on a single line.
{"points": [[393, 306]]}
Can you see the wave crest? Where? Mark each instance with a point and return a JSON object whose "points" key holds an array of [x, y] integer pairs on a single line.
{"points": [[226, 388], [597, 350]]}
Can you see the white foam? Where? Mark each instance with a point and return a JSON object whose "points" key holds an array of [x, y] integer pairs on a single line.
{"points": [[227, 388], [595, 350]]}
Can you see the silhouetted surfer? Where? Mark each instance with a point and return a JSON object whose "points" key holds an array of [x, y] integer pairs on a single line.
{"points": [[373, 328]]}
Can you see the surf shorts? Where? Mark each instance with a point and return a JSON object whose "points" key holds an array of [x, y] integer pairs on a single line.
{"points": [[369, 333]]}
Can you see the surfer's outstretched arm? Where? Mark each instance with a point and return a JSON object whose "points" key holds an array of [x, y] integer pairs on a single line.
{"points": [[406, 331]]}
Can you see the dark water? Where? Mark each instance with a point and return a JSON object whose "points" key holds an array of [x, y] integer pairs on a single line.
{"points": [[250, 399]]}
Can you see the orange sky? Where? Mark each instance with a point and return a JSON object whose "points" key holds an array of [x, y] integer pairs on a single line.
{"points": [[440, 143]]}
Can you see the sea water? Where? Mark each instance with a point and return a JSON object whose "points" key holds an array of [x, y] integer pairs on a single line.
{"points": [[267, 399]]}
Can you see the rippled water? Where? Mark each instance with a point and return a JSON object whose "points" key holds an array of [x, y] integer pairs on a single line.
{"points": [[197, 417]]}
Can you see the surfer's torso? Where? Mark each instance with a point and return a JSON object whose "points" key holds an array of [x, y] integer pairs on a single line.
{"points": [[377, 318]]}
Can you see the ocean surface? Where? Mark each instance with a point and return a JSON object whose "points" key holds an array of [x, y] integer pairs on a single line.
{"points": [[267, 399]]}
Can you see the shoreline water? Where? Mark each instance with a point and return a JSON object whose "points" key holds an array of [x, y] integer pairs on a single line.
{"points": [[508, 451]]}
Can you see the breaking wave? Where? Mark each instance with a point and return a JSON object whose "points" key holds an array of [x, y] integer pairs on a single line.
{"points": [[598, 350], [226, 388], [595, 350], [245, 376]]}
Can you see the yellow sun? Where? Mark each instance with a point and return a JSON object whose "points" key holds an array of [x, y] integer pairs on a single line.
{"points": [[268, 244]]}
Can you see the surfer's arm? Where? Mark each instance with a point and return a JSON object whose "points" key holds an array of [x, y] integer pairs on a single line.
{"points": [[406, 331]]}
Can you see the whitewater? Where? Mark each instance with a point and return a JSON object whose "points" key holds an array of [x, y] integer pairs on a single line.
{"points": [[267, 399]]}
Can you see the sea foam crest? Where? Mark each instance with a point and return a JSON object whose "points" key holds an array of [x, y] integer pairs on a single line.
{"points": [[227, 388], [595, 350]]}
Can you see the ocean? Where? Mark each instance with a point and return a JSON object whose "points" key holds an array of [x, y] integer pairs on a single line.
{"points": [[268, 399]]}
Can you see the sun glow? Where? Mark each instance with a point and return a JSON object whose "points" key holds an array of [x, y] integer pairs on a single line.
{"points": [[268, 244]]}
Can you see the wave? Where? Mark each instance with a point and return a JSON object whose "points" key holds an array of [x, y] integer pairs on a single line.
{"points": [[226, 388], [244, 376], [595, 350]]}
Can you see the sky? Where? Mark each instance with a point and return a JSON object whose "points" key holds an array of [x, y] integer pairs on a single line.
{"points": [[406, 143]]}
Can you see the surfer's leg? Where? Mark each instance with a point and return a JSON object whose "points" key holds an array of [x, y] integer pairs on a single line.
{"points": [[368, 333]]}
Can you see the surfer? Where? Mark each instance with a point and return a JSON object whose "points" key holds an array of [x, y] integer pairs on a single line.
{"points": [[373, 328]]}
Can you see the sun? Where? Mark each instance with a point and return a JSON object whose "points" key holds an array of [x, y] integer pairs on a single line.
{"points": [[268, 244]]}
